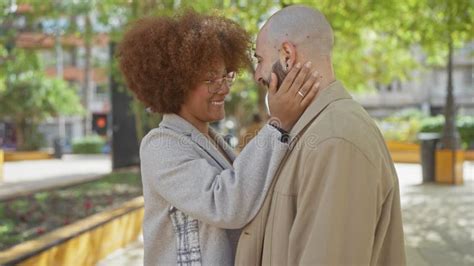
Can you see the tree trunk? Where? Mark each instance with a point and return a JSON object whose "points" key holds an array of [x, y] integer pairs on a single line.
{"points": [[60, 75], [450, 138], [20, 125], [87, 88]]}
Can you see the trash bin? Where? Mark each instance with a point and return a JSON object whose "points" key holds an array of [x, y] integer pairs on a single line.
{"points": [[58, 148], [428, 149]]}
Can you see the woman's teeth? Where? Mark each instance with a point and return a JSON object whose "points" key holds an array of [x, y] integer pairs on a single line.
{"points": [[217, 102]]}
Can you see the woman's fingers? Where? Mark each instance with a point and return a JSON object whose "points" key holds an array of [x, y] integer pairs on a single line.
{"points": [[288, 81], [308, 84], [300, 79], [297, 91], [272, 89], [308, 98]]}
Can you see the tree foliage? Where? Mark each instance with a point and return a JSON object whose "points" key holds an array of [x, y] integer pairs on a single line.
{"points": [[28, 96], [32, 95], [377, 42]]}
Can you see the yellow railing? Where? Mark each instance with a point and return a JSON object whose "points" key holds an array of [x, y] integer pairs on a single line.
{"points": [[84, 242], [403, 152], [27, 155], [469, 155]]}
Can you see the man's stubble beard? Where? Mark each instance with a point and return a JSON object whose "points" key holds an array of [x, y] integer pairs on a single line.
{"points": [[281, 73], [277, 68]]}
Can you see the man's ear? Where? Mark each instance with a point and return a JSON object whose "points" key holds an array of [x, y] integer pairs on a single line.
{"points": [[287, 55]]}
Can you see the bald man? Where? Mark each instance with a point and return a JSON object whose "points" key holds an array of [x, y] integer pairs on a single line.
{"points": [[335, 199]]}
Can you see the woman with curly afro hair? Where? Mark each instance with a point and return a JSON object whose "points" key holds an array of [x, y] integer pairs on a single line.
{"points": [[198, 193]]}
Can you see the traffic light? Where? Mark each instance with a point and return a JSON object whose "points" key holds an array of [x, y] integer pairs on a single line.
{"points": [[100, 124]]}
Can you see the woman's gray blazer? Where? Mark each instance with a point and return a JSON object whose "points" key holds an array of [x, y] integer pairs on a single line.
{"points": [[195, 199]]}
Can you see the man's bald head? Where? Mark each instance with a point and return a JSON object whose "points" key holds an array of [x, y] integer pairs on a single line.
{"points": [[294, 34], [303, 26]]}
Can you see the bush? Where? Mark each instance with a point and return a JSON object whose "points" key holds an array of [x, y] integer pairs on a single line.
{"points": [[465, 125], [27, 217], [402, 126], [34, 140], [405, 125], [433, 124], [405, 115], [88, 145]]}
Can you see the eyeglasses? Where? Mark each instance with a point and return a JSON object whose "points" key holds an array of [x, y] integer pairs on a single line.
{"points": [[215, 85]]}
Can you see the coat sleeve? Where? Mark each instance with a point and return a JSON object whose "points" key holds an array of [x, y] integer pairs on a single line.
{"points": [[227, 198], [337, 207]]}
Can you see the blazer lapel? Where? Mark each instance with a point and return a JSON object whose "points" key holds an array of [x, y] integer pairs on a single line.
{"points": [[210, 149], [223, 144]]}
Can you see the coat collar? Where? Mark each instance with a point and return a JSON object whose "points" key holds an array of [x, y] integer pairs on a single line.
{"points": [[334, 92], [182, 126], [178, 124]]}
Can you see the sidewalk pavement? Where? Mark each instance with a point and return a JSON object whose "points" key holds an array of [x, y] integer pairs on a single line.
{"points": [[438, 219], [24, 177], [438, 222]]}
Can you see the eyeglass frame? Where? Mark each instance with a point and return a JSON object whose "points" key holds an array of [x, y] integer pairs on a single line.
{"points": [[229, 80]]}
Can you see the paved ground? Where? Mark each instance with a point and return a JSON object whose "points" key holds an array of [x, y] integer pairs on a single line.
{"points": [[438, 219], [69, 165], [24, 177], [438, 222], [132, 255]]}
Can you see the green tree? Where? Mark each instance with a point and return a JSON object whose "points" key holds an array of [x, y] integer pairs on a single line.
{"points": [[446, 25], [370, 47], [57, 11], [30, 97], [374, 39]]}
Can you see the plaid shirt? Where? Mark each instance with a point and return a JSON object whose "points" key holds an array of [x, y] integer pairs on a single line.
{"points": [[186, 230]]}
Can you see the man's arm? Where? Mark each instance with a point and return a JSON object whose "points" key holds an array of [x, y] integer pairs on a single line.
{"points": [[337, 207]]}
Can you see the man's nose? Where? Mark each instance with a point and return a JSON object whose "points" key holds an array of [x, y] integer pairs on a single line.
{"points": [[257, 76], [260, 80]]}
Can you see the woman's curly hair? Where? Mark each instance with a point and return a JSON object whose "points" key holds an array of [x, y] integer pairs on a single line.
{"points": [[163, 58]]}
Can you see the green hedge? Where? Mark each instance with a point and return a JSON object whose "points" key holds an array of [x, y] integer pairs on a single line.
{"points": [[432, 124], [88, 145], [402, 126], [465, 125], [405, 125], [27, 217]]}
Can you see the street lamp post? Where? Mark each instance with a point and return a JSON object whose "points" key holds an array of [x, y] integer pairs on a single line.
{"points": [[450, 138], [449, 157]]}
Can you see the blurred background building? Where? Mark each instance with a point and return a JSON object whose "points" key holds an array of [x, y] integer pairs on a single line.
{"points": [[426, 90], [68, 56]]}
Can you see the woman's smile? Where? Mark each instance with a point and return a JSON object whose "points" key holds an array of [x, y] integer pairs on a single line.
{"points": [[218, 103]]}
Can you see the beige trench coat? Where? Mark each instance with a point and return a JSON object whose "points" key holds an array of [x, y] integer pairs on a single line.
{"points": [[335, 199]]}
